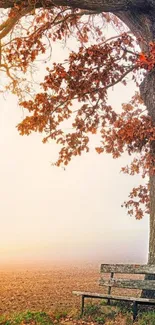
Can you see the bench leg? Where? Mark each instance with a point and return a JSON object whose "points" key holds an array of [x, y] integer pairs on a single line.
{"points": [[82, 305], [135, 310], [108, 302]]}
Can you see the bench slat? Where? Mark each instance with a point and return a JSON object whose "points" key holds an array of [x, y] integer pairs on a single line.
{"points": [[130, 284], [105, 296], [128, 268]]}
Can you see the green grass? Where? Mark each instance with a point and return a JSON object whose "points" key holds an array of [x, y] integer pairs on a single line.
{"points": [[147, 318], [100, 314], [123, 306], [34, 318], [91, 310], [103, 313]]}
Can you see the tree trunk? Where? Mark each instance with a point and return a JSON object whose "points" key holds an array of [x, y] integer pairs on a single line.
{"points": [[147, 90], [151, 259]]}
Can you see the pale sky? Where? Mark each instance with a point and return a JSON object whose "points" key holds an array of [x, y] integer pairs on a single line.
{"points": [[52, 215]]}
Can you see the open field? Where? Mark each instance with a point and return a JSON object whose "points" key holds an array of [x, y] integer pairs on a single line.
{"points": [[45, 289], [49, 290]]}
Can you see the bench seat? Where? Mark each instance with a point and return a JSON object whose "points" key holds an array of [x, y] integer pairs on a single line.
{"points": [[113, 297]]}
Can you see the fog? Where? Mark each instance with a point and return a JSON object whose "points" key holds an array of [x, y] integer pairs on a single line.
{"points": [[50, 215]]}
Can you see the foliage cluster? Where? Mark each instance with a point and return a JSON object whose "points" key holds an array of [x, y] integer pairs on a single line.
{"points": [[76, 90]]}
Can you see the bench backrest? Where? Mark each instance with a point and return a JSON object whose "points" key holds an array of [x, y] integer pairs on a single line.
{"points": [[127, 269]]}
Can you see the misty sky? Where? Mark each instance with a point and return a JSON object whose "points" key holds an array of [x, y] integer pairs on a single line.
{"points": [[48, 214]]}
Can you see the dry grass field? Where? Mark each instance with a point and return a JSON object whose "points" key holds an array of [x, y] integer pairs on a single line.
{"points": [[45, 289], [49, 290]]}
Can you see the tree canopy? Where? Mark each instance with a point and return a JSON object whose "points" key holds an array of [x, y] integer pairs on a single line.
{"points": [[28, 31]]}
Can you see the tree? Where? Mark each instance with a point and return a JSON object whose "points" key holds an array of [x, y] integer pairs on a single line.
{"points": [[86, 77]]}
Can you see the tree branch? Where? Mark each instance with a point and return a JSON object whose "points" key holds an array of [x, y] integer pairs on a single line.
{"points": [[97, 5], [8, 25]]}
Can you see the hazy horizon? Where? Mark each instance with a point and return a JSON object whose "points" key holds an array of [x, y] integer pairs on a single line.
{"points": [[49, 215]]}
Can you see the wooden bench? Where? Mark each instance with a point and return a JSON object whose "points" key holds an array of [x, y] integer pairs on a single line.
{"points": [[123, 283]]}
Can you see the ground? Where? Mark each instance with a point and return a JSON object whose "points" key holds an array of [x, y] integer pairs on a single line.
{"points": [[46, 293], [45, 288]]}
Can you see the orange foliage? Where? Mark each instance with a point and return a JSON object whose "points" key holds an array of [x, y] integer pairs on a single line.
{"points": [[147, 60], [84, 78]]}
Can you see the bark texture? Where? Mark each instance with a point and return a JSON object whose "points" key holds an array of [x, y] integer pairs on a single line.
{"points": [[101, 5], [147, 90]]}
